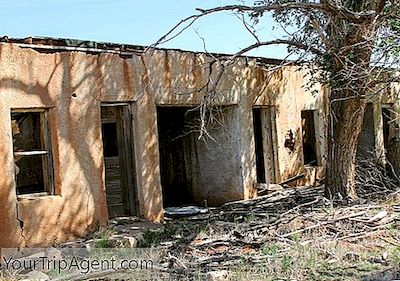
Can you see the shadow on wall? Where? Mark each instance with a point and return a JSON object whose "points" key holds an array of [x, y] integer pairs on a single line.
{"points": [[79, 202], [286, 90]]}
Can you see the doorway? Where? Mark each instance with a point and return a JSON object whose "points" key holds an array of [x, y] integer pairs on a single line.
{"points": [[366, 139], [116, 126], [308, 129], [264, 139], [177, 144]]}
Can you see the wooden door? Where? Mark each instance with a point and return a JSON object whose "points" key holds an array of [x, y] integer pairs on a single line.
{"points": [[118, 159]]}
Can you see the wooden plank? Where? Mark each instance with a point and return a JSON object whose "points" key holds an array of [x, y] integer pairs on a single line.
{"points": [[266, 128], [113, 186], [30, 153], [122, 159], [33, 195], [115, 104], [24, 110], [48, 168], [126, 117], [274, 144]]}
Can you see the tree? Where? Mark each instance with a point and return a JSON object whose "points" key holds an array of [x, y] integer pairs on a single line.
{"points": [[355, 46]]}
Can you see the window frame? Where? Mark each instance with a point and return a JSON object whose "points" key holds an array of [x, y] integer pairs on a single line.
{"points": [[45, 152]]}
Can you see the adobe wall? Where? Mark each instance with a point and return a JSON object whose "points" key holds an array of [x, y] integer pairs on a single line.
{"points": [[73, 85], [392, 97], [219, 174], [173, 79], [286, 92], [32, 80]]}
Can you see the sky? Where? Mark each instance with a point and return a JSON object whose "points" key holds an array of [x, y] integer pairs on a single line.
{"points": [[137, 22]]}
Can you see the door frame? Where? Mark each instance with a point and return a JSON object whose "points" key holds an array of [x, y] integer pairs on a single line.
{"points": [[268, 131], [126, 147]]}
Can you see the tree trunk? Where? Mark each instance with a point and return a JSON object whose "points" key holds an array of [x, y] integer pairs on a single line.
{"points": [[345, 122]]}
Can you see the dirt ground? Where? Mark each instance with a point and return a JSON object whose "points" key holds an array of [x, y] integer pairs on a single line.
{"points": [[293, 234]]}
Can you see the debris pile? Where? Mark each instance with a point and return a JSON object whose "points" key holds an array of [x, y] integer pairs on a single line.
{"points": [[255, 232], [375, 180], [290, 234]]}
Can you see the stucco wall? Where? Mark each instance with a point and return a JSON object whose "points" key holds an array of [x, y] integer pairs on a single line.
{"points": [[219, 175], [32, 80], [72, 85], [284, 89]]}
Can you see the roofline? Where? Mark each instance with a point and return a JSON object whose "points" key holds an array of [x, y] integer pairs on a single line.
{"points": [[124, 50]]}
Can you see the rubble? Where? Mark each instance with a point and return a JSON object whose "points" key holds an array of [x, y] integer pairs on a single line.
{"points": [[292, 226]]}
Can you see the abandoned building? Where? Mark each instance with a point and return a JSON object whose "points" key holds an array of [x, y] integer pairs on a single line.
{"points": [[92, 130]]}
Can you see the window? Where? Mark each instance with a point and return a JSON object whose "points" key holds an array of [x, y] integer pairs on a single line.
{"points": [[309, 141], [32, 156]]}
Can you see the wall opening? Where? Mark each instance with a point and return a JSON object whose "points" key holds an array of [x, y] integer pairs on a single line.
{"points": [[258, 141], [264, 139], [388, 125], [309, 140], [33, 164], [366, 139], [177, 143], [390, 130], [118, 151]]}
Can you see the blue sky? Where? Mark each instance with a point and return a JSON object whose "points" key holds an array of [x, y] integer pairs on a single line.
{"points": [[139, 22]]}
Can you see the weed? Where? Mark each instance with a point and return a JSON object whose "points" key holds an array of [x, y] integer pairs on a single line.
{"points": [[150, 239], [270, 249], [367, 266], [250, 218], [310, 262], [296, 237], [102, 243], [395, 257], [287, 263]]}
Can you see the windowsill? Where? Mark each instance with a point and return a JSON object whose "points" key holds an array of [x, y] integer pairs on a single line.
{"points": [[311, 166], [34, 195]]}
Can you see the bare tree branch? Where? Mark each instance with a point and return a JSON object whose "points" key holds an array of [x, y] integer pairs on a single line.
{"points": [[325, 6], [278, 42]]}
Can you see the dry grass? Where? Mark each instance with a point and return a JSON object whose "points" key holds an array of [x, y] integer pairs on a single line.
{"points": [[359, 242]]}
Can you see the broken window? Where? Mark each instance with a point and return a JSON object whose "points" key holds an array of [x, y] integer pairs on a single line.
{"points": [[309, 140], [32, 156]]}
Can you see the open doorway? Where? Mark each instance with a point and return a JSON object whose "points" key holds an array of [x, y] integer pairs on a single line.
{"points": [[118, 150], [264, 137], [177, 144], [308, 136], [389, 129], [366, 139]]}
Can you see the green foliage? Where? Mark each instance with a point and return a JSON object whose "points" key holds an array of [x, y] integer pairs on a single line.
{"points": [[170, 231], [296, 237], [152, 238], [102, 243], [270, 249], [250, 218], [396, 256], [287, 263]]}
